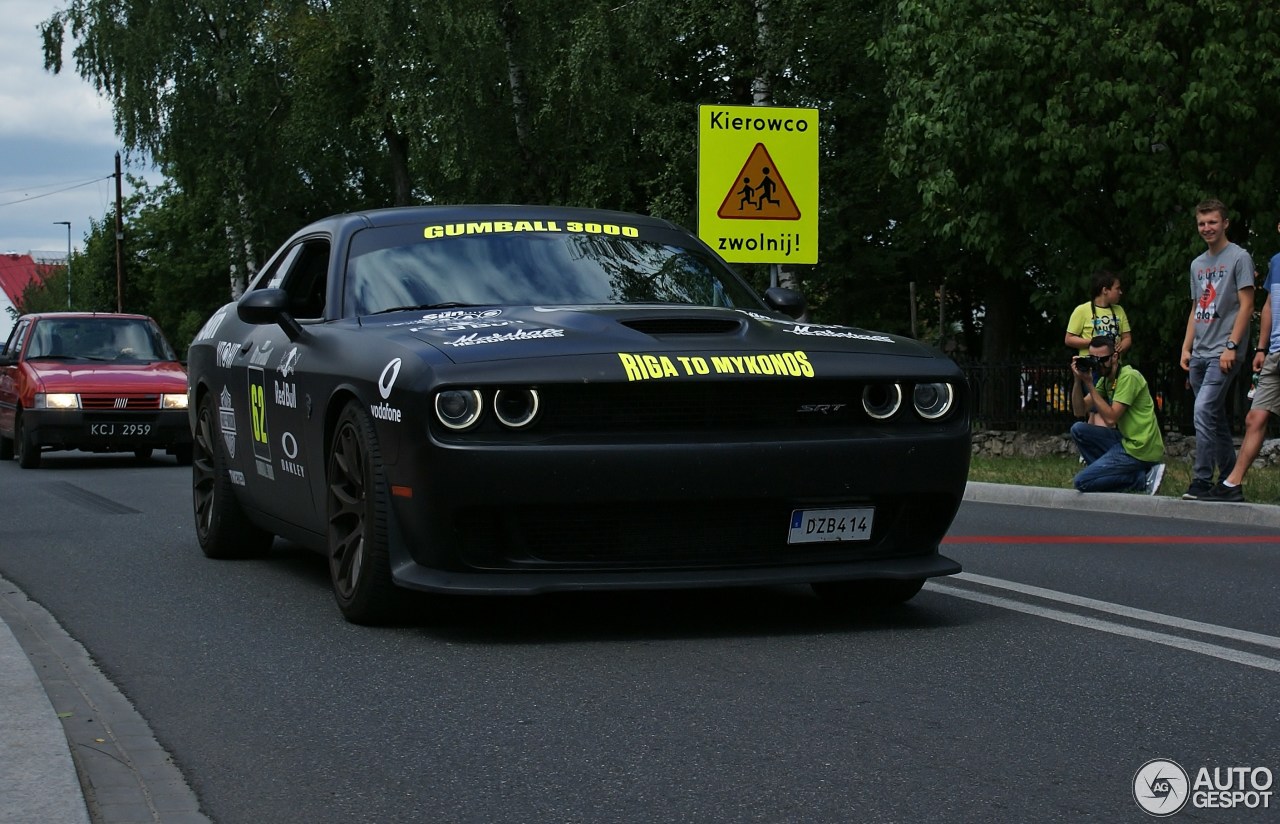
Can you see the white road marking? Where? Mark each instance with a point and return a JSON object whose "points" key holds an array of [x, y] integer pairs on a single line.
{"points": [[1201, 647], [1127, 612]]}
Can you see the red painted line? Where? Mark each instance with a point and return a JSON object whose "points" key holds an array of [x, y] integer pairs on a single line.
{"points": [[1111, 539]]}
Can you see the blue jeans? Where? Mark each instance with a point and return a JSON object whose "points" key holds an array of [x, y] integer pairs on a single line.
{"points": [[1214, 446], [1108, 467]]}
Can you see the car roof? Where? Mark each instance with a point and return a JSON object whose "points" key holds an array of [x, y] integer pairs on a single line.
{"points": [[416, 214], [83, 315]]}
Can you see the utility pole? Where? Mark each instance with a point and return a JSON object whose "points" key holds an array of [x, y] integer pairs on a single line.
{"points": [[119, 242]]}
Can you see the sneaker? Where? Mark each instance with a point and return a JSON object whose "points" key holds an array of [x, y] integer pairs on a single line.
{"points": [[1154, 476], [1225, 494], [1197, 490]]}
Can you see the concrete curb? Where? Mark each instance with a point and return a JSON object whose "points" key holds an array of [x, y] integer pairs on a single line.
{"points": [[1157, 506], [38, 779]]}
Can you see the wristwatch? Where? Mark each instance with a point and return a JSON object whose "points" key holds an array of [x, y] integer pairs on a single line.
{"points": [[1231, 345]]}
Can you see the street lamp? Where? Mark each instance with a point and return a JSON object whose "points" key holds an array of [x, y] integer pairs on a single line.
{"points": [[67, 223]]}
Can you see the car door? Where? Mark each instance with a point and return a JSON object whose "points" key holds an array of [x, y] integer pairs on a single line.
{"points": [[281, 430], [10, 383]]}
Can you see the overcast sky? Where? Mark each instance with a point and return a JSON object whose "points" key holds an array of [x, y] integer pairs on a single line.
{"points": [[57, 144]]}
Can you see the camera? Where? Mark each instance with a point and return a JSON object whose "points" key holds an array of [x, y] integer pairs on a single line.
{"points": [[1089, 363]]}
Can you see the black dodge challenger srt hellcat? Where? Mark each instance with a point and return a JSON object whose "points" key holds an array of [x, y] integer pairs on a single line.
{"points": [[521, 399]]}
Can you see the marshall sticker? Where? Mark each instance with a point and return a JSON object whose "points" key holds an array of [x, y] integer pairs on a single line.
{"points": [[506, 337], [835, 332]]}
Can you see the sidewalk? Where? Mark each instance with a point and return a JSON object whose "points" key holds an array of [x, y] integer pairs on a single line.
{"points": [[38, 780], [72, 747], [38, 776]]}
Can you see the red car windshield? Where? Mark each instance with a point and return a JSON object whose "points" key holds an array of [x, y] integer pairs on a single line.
{"points": [[106, 339]]}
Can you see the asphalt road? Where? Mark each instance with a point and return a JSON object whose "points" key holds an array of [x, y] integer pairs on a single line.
{"points": [[1076, 647]]}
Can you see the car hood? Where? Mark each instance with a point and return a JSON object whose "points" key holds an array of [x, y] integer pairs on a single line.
{"points": [[87, 377], [476, 335]]}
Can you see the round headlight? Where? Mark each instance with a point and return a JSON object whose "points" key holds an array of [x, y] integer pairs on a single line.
{"points": [[516, 407], [882, 400], [459, 408], [933, 400]]}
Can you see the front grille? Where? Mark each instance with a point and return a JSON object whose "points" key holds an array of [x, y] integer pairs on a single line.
{"points": [[119, 403], [665, 535]]}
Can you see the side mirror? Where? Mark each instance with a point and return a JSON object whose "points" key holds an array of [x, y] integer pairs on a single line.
{"points": [[6, 359], [787, 301], [264, 306]]}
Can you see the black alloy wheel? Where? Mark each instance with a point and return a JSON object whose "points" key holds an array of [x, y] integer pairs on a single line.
{"points": [[358, 509], [222, 528]]}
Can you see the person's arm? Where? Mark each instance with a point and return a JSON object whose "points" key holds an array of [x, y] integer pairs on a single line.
{"points": [[1264, 335], [1109, 411], [1187, 339], [1079, 403], [1075, 325], [1125, 343], [1075, 341], [1239, 329]]}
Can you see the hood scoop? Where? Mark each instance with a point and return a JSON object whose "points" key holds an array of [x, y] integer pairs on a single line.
{"points": [[661, 327]]}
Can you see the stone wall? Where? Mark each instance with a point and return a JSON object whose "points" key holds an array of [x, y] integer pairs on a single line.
{"points": [[1177, 447]]}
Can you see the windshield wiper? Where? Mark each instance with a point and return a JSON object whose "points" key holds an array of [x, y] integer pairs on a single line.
{"points": [[452, 304]]}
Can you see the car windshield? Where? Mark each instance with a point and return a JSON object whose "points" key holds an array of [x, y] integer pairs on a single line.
{"points": [[107, 339], [391, 268]]}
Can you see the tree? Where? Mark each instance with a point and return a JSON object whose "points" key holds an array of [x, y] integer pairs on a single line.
{"points": [[1056, 137]]}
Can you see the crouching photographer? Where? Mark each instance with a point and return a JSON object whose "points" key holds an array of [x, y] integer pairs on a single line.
{"points": [[1128, 452]]}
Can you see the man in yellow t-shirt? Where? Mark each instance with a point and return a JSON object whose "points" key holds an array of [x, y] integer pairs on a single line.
{"points": [[1101, 317]]}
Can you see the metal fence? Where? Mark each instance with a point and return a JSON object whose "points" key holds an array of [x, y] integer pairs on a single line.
{"points": [[1036, 396]]}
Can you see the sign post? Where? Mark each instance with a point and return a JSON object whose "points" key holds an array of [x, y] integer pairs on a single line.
{"points": [[758, 183]]}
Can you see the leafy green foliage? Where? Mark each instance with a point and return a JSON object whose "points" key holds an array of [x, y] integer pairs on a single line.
{"points": [[979, 159], [1059, 137]]}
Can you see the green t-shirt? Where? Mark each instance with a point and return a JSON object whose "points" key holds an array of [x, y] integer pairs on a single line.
{"points": [[1089, 321], [1139, 430]]}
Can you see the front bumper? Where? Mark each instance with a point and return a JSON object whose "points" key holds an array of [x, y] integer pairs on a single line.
{"points": [[107, 431], [542, 518]]}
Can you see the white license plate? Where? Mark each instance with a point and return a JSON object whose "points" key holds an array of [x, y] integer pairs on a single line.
{"points": [[817, 525], [109, 430]]}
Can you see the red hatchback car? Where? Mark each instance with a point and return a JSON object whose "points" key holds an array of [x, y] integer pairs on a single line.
{"points": [[91, 381]]}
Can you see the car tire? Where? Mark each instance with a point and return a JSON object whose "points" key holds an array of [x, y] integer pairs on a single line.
{"points": [[142, 455], [6, 448], [26, 449], [222, 528], [358, 510], [867, 595], [182, 454]]}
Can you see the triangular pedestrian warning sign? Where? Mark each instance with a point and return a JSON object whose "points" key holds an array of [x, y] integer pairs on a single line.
{"points": [[759, 192]]}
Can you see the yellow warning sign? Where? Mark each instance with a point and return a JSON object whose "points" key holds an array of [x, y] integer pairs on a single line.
{"points": [[758, 183], [759, 193]]}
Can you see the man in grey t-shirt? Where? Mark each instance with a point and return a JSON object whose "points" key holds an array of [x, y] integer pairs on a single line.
{"points": [[1221, 287]]}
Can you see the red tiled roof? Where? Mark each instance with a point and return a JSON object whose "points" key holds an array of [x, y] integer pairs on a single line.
{"points": [[16, 271]]}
